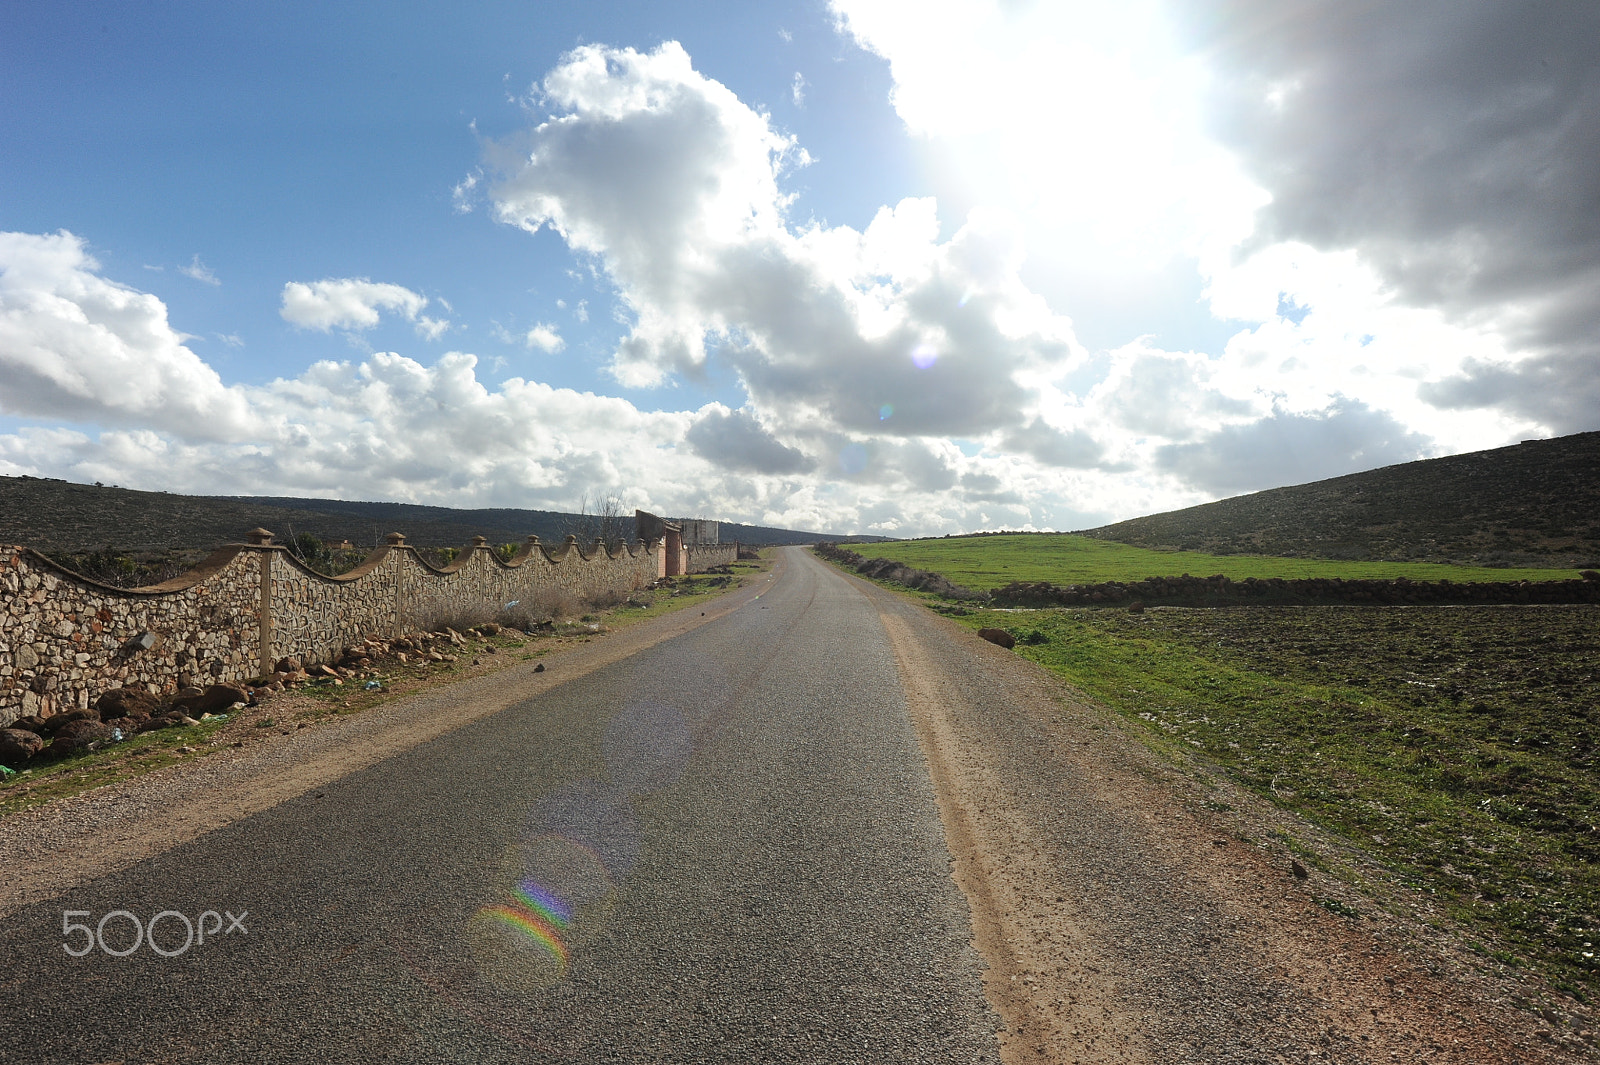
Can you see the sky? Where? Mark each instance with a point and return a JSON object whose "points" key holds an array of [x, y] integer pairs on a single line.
{"points": [[878, 267]]}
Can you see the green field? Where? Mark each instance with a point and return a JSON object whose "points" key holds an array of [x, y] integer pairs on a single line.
{"points": [[1456, 745], [983, 562]]}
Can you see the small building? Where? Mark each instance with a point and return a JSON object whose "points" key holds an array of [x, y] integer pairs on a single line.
{"points": [[698, 531]]}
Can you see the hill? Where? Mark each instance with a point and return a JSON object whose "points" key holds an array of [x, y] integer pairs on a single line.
{"points": [[1532, 504], [58, 517]]}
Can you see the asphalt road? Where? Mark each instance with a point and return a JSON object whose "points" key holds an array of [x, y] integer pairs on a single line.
{"points": [[724, 848]]}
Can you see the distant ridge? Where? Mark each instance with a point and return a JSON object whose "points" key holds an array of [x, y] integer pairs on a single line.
{"points": [[1532, 504], [60, 517]]}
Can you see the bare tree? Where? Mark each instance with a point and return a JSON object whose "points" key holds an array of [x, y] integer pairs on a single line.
{"points": [[601, 518]]}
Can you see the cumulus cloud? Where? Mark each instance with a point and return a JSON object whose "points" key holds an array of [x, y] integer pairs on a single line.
{"points": [[346, 303], [1072, 448], [673, 184], [736, 440], [79, 347], [1452, 145], [865, 353], [867, 349], [431, 328], [544, 337], [76, 347]]}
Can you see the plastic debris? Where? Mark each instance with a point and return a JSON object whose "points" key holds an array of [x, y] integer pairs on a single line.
{"points": [[6, 772], [116, 735], [373, 686]]}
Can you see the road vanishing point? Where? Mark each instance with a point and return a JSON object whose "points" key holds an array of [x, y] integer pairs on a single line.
{"points": [[817, 823]]}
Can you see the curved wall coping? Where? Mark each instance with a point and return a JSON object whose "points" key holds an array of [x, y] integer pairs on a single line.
{"points": [[219, 559], [213, 564]]}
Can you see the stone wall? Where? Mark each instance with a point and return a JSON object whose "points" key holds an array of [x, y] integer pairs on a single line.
{"points": [[702, 557], [64, 639]]}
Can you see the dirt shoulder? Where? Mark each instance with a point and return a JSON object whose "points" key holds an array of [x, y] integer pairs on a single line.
{"points": [[1130, 915], [243, 769]]}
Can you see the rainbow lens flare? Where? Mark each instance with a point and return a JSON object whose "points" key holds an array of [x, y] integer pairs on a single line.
{"points": [[541, 902], [531, 925], [557, 897]]}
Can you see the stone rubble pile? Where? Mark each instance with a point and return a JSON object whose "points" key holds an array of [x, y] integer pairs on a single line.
{"points": [[127, 711]]}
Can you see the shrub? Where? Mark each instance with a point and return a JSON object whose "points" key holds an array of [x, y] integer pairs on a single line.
{"points": [[458, 616]]}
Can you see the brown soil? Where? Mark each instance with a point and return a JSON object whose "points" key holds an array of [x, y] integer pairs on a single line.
{"points": [[1124, 922]]}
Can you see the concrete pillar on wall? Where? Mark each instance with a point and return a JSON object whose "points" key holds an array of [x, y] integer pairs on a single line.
{"points": [[262, 539], [402, 581]]}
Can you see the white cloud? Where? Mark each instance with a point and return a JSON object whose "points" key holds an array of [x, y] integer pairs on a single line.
{"points": [[865, 353], [1451, 147], [1096, 122], [545, 338], [346, 303], [78, 347], [737, 440], [673, 185], [199, 271], [797, 89], [462, 195]]}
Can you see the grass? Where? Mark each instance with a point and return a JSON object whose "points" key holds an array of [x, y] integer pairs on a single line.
{"points": [[1457, 745], [983, 562], [46, 781], [134, 757]]}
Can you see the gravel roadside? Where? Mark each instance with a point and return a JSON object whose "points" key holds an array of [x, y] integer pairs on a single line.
{"points": [[1125, 922]]}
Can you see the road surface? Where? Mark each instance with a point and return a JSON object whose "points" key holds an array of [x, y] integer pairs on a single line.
{"points": [[818, 825], [744, 811]]}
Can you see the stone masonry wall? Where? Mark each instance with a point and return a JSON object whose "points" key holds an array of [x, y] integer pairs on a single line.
{"points": [[704, 556], [65, 639], [314, 616]]}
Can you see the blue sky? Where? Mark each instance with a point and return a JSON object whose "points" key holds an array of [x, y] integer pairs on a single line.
{"points": [[868, 266]]}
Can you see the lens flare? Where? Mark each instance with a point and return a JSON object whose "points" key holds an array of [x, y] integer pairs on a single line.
{"points": [[516, 951], [530, 925], [924, 355], [596, 814], [557, 897], [541, 902], [886, 412]]}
